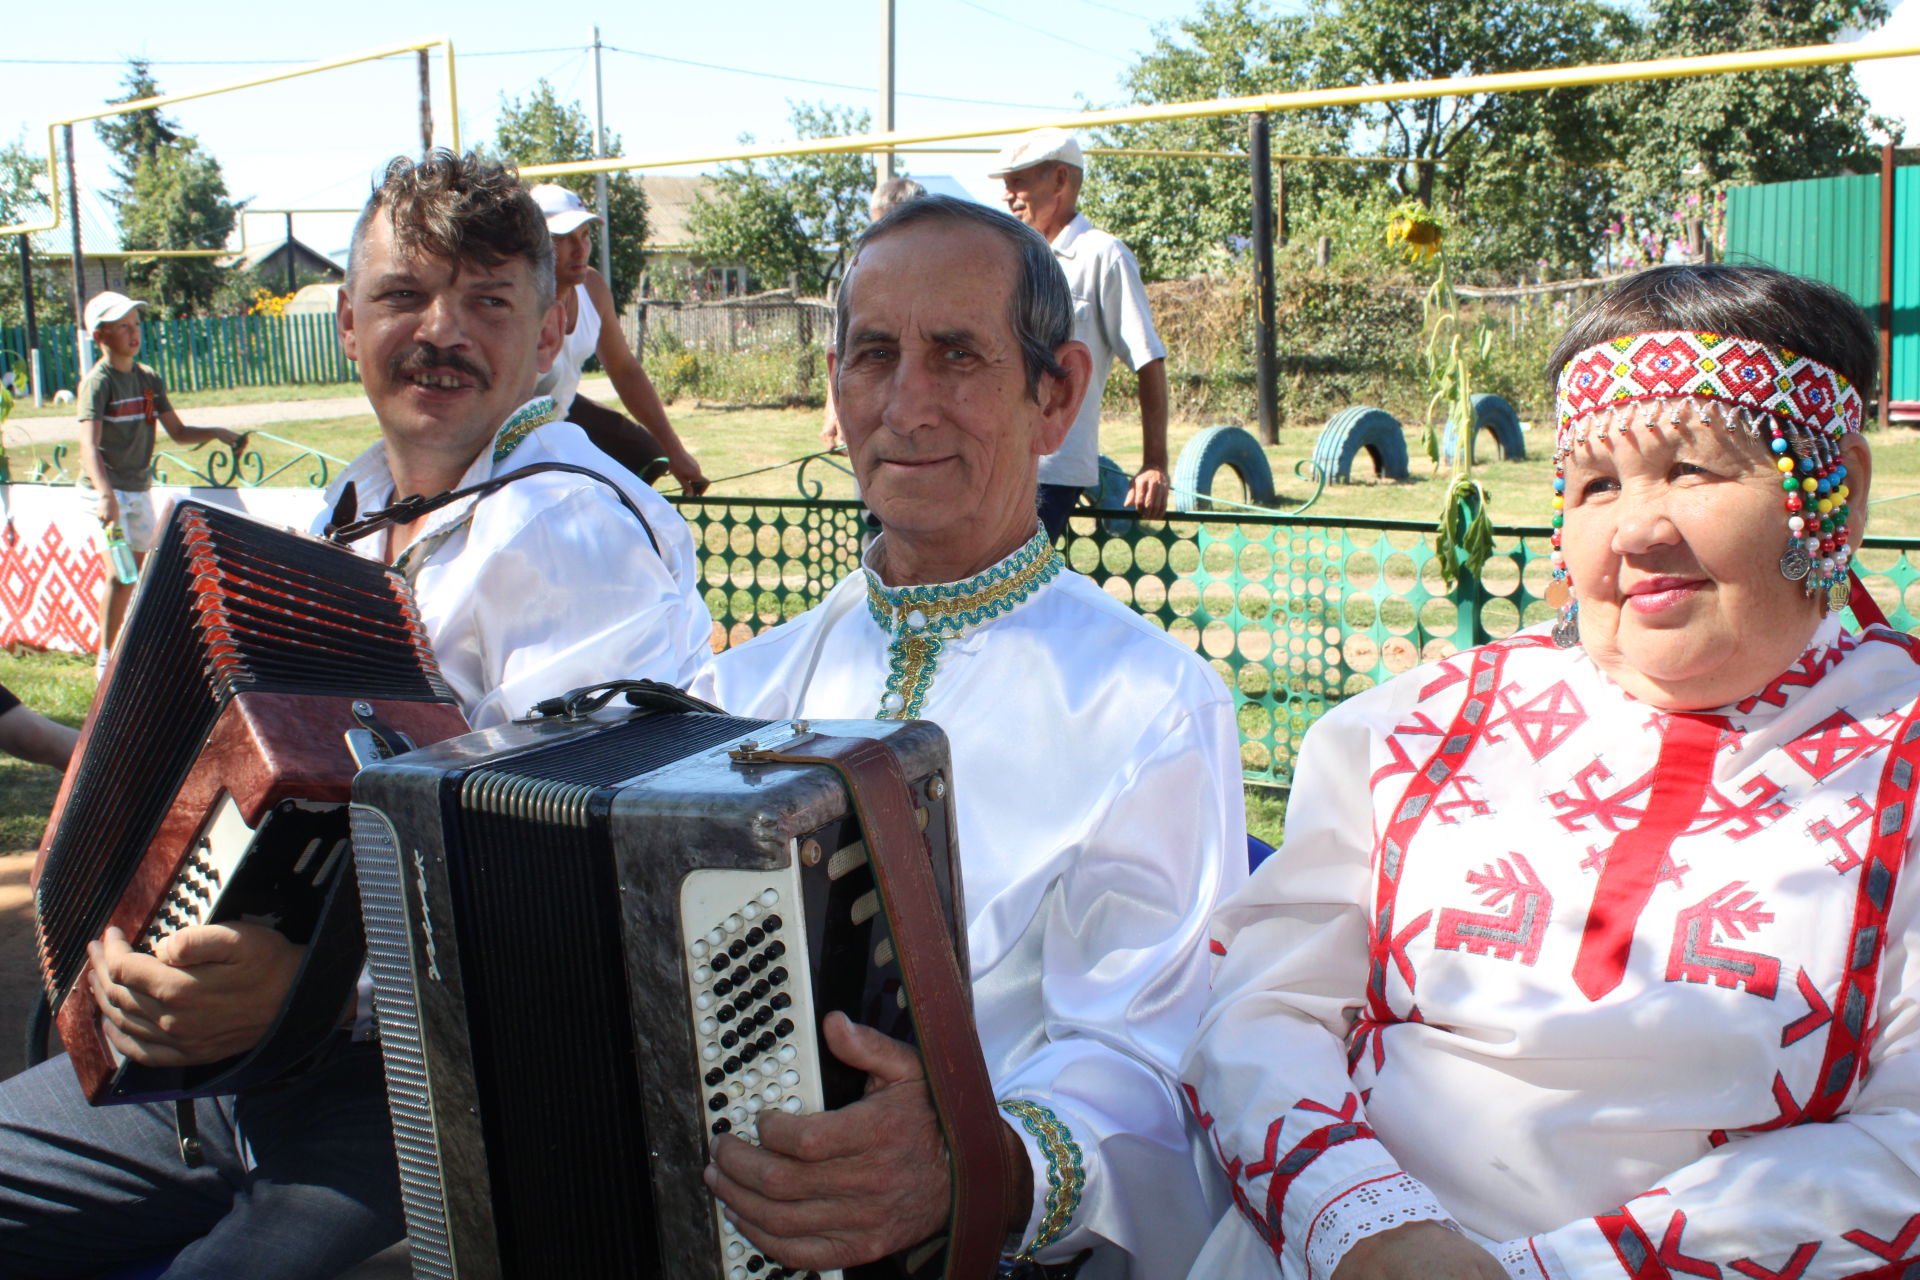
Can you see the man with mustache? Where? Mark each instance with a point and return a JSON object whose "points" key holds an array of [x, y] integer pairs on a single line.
{"points": [[1096, 783], [545, 584]]}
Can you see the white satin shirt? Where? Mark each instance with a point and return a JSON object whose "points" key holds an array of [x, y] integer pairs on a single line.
{"points": [[1096, 775], [548, 583]]}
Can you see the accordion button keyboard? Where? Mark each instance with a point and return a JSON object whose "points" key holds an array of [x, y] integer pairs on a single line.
{"points": [[754, 1023]]}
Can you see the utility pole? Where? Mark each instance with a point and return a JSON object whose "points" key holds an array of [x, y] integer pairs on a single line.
{"points": [[33, 332], [884, 162], [289, 247], [426, 107], [82, 340], [600, 153], [1265, 362], [1887, 211]]}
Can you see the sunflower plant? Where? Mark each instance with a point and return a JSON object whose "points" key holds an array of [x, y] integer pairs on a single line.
{"points": [[1463, 539]]}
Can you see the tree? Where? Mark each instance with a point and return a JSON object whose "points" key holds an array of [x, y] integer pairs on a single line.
{"points": [[178, 200], [544, 130], [791, 216], [1504, 160], [172, 196], [1688, 137], [138, 136], [23, 198]]}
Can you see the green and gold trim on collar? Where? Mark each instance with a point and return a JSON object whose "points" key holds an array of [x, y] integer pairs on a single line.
{"points": [[534, 413], [1066, 1171], [920, 620]]}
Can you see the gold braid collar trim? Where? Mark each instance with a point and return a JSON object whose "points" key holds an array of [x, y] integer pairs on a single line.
{"points": [[921, 620], [533, 414]]}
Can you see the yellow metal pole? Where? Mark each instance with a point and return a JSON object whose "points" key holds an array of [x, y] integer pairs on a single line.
{"points": [[1353, 95], [1173, 153], [167, 99]]}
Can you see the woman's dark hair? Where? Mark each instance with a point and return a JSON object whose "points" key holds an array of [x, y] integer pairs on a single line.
{"points": [[1756, 303]]}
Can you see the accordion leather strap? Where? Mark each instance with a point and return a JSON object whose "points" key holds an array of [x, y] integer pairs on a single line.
{"points": [[937, 992]]}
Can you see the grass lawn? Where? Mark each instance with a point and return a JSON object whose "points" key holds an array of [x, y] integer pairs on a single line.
{"points": [[185, 401], [734, 442], [60, 686]]}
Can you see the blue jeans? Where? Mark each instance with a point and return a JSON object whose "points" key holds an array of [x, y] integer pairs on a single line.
{"points": [[311, 1191]]}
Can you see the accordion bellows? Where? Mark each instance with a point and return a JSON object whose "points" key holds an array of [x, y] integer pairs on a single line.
{"points": [[597, 944], [212, 775]]}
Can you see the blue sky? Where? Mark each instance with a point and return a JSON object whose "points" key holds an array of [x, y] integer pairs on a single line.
{"points": [[315, 141]]}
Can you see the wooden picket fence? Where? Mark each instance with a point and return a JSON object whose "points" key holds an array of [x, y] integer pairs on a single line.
{"points": [[209, 353]]}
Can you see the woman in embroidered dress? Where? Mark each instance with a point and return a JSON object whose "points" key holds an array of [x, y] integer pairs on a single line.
{"points": [[1593, 952]]}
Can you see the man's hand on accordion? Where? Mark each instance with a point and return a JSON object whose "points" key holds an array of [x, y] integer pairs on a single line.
{"points": [[209, 992], [840, 1188]]}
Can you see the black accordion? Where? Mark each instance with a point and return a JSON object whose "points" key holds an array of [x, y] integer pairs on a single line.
{"points": [[212, 777], [599, 940]]}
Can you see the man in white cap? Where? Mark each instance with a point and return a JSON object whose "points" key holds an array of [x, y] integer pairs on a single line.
{"points": [[120, 402], [593, 328], [1043, 171]]}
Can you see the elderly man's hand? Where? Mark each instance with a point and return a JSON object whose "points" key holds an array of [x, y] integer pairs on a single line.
{"points": [[840, 1188], [1148, 492], [209, 992], [687, 471], [1418, 1251]]}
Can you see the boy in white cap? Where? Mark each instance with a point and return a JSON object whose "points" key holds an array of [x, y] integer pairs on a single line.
{"points": [[1042, 172], [593, 328], [120, 401]]}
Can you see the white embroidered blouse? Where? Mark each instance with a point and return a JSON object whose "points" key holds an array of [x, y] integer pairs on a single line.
{"points": [[1622, 993]]}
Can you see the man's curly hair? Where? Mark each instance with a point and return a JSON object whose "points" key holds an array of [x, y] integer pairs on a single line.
{"points": [[463, 208]]}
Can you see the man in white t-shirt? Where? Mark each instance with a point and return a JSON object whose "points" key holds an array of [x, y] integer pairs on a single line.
{"points": [[1043, 171], [592, 328]]}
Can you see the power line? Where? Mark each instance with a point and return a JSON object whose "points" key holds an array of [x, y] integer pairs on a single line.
{"points": [[1051, 35], [831, 84], [247, 62]]}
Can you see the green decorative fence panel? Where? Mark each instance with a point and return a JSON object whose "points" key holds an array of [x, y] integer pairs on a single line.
{"points": [[1295, 613]]}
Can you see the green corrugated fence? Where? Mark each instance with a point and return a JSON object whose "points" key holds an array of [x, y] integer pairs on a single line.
{"points": [[209, 353], [1829, 228]]}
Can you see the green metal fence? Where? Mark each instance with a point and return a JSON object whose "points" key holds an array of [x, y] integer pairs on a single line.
{"points": [[1294, 612], [208, 353]]}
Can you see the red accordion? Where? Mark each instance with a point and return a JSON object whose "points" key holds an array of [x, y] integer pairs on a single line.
{"points": [[213, 773]]}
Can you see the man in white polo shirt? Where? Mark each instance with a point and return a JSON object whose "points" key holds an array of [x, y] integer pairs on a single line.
{"points": [[1043, 171]]}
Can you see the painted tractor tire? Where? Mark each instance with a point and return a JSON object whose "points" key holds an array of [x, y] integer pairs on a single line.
{"points": [[1495, 416], [1109, 493], [1212, 449], [1352, 430]]}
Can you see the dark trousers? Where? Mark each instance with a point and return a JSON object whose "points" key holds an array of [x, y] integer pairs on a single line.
{"points": [[619, 437], [1056, 503], [311, 1190]]}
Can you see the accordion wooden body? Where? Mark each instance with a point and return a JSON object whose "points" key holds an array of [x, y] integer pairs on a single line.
{"points": [[212, 776], [597, 944]]}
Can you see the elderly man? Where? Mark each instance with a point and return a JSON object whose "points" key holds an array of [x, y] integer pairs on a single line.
{"points": [[546, 583], [1095, 767], [1042, 172]]}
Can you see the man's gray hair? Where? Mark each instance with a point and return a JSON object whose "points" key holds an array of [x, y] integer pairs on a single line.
{"points": [[893, 193], [463, 208], [1041, 306]]}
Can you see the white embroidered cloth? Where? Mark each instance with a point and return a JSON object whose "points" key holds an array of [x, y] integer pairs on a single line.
{"points": [[1415, 1016]]}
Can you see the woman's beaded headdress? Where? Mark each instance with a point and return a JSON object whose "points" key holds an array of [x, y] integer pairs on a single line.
{"points": [[1798, 406]]}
